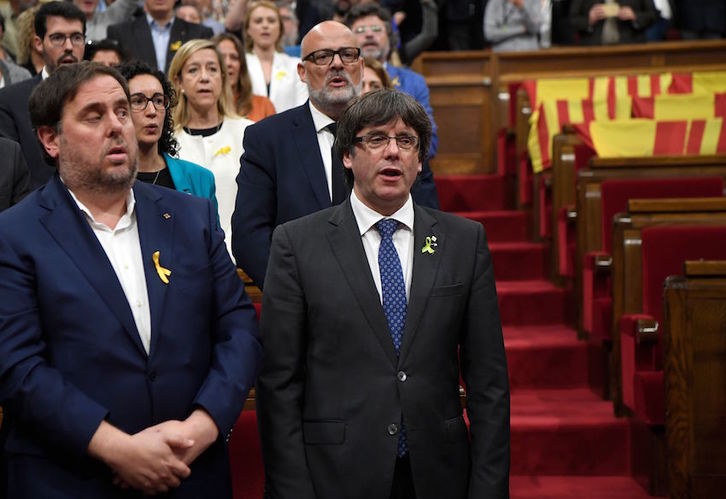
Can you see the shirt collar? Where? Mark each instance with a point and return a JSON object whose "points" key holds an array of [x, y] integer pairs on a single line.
{"points": [[153, 23], [126, 219], [320, 120], [366, 217], [45, 74]]}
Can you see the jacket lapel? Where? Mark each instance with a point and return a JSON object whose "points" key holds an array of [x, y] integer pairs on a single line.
{"points": [[306, 140], [425, 266], [67, 225], [179, 33], [347, 247], [156, 230], [144, 42]]}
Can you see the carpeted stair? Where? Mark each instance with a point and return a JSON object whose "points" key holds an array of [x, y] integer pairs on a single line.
{"points": [[566, 443]]}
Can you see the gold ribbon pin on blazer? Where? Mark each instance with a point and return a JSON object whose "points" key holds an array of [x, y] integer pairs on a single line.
{"points": [[163, 273]]}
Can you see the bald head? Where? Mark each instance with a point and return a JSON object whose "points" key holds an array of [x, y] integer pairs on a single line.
{"points": [[327, 31], [331, 83]]}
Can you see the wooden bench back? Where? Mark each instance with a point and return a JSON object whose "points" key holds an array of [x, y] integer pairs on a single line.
{"points": [[694, 366]]}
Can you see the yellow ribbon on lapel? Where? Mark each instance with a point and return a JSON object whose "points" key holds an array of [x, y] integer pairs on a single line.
{"points": [[222, 150], [163, 273], [430, 245], [173, 47]]}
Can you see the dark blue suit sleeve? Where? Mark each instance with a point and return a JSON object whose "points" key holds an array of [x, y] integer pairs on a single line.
{"points": [[255, 211], [38, 394]]}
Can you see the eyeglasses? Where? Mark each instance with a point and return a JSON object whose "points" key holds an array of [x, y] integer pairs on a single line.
{"points": [[375, 28], [59, 39], [139, 102], [324, 57], [378, 141]]}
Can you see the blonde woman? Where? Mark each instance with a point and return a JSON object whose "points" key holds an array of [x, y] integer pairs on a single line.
{"points": [[207, 129], [272, 72]]}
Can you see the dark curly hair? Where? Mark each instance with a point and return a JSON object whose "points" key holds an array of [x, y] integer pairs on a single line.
{"points": [[167, 142]]}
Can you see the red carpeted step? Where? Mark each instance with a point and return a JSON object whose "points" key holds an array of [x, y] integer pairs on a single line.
{"points": [[545, 357], [535, 302], [502, 226], [473, 192], [519, 261], [567, 432], [575, 487]]}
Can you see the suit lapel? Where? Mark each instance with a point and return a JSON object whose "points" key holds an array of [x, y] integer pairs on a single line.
{"points": [[306, 140], [69, 228], [345, 241], [144, 42], [179, 33], [156, 229], [425, 266]]}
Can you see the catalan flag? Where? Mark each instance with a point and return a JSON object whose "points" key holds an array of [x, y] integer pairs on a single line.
{"points": [[641, 137], [680, 107]]}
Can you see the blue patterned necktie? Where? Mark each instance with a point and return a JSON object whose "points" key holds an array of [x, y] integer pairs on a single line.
{"points": [[393, 289]]}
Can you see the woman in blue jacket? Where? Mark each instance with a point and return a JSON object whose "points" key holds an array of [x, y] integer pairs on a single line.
{"points": [[151, 98]]}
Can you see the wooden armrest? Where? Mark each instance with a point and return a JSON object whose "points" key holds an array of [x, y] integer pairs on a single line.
{"points": [[705, 268], [646, 332]]}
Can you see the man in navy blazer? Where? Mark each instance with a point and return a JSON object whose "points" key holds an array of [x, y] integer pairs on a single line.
{"points": [[287, 170], [156, 36], [128, 344]]}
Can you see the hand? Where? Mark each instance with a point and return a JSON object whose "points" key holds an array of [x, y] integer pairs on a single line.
{"points": [[399, 17], [626, 14], [145, 461], [199, 427], [597, 13]]}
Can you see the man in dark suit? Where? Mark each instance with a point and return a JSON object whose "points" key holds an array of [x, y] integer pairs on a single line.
{"points": [[59, 35], [128, 344], [287, 169], [371, 310], [608, 22], [14, 174], [156, 36]]}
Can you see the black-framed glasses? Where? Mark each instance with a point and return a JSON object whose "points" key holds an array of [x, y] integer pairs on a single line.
{"points": [[324, 57], [375, 28], [59, 39], [379, 141], [139, 102]]}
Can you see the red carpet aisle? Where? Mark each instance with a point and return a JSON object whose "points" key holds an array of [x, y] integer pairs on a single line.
{"points": [[565, 441]]}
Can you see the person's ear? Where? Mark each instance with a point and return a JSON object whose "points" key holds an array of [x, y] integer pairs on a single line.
{"points": [[301, 72], [50, 139]]}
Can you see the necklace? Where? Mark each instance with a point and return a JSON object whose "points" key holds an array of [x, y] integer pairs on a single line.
{"points": [[156, 177]]}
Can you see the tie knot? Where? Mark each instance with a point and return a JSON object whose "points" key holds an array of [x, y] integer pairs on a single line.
{"points": [[332, 128], [387, 227]]}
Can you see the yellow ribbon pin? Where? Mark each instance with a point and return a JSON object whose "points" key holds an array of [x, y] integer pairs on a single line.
{"points": [[280, 74], [222, 150], [430, 245], [163, 273], [175, 46]]}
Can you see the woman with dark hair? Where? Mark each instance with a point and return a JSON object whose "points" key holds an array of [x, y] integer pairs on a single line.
{"points": [[151, 97], [106, 51], [248, 105]]}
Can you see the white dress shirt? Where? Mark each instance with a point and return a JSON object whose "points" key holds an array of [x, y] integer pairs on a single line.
{"points": [[123, 249], [367, 219], [325, 142]]}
